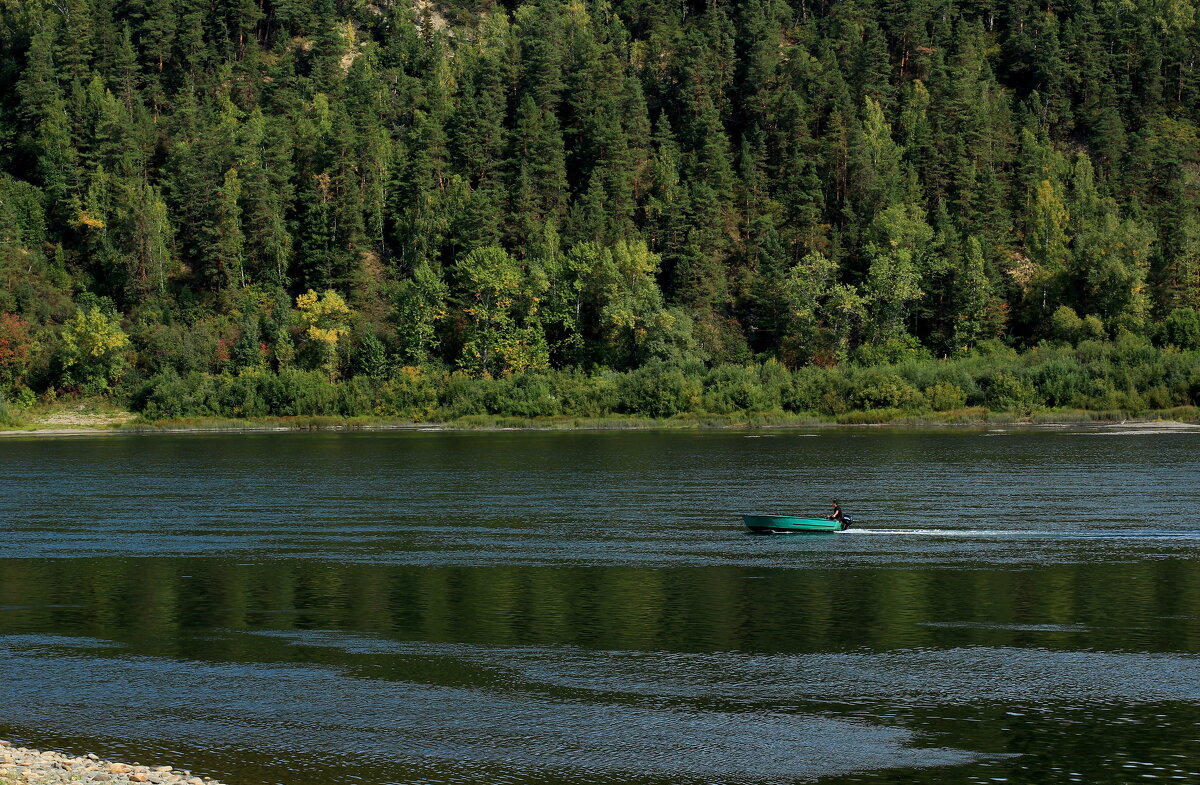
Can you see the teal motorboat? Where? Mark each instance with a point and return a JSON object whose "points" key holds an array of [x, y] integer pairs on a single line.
{"points": [[785, 524]]}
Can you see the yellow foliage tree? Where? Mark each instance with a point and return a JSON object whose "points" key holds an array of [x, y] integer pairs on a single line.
{"points": [[91, 354], [326, 319]]}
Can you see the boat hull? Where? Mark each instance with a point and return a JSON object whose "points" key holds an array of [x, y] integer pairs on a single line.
{"points": [[785, 524]]}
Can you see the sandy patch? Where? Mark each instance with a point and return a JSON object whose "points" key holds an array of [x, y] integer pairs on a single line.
{"points": [[79, 419]]}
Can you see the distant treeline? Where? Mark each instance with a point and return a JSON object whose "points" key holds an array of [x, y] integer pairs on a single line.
{"points": [[587, 195]]}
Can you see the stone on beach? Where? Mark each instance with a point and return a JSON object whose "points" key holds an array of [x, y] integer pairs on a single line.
{"points": [[35, 767]]}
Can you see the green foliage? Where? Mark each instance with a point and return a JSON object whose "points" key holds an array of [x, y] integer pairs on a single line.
{"points": [[8, 414], [893, 350], [586, 395], [1047, 239], [977, 312], [877, 389], [737, 388], [626, 307], [1091, 328], [582, 191], [812, 311], [899, 237], [91, 352], [247, 351], [658, 390], [370, 356], [411, 393], [1008, 392], [420, 306], [943, 397], [1126, 375], [1065, 324], [1181, 328]]}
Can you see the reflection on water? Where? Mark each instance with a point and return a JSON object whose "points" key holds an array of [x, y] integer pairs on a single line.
{"points": [[585, 607], [151, 603]]}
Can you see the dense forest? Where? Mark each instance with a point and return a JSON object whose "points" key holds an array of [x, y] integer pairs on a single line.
{"points": [[348, 207]]}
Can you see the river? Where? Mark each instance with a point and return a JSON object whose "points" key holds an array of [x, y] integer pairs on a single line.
{"points": [[1017, 605]]}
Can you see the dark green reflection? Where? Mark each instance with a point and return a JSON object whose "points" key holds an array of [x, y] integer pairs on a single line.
{"points": [[150, 603], [921, 649]]}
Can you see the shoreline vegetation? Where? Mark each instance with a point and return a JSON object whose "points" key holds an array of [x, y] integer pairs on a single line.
{"points": [[34, 767], [1129, 378], [1180, 418]]}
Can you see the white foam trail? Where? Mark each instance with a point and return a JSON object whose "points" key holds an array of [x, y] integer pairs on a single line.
{"points": [[955, 532], [1115, 534]]}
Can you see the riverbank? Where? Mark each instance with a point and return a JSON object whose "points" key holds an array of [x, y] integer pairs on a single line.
{"points": [[23, 766], [1128, 379], [1179, 418]]}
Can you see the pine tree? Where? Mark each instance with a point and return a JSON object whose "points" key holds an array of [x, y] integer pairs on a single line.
{"points": [[43, 108], [537, 167], [228, 253], [247, 349], [977, 315], [265, 173]]}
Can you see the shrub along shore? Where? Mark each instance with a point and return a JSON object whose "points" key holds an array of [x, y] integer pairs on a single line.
{"points": [[1127, 378], [33, 767]]}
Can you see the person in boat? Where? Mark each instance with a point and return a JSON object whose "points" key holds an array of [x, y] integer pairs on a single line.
{"points": [[838, 515]]}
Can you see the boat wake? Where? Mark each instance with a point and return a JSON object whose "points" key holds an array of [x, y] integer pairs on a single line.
{"points": [[1059, 534], [948, 532]]}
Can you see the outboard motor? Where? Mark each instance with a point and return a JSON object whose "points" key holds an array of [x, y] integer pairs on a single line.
{"points": [[846, 521]]}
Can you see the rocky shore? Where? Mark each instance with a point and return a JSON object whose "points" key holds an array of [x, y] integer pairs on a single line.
{"points": [[21, 766]]}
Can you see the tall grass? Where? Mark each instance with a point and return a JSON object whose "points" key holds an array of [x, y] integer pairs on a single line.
{"points": [[8, 414]]}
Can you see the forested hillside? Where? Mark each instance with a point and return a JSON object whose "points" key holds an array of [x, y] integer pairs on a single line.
{"points": [[267, 195]]}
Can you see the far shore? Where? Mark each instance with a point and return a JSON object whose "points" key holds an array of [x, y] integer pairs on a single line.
{"points": [[108, 425]]}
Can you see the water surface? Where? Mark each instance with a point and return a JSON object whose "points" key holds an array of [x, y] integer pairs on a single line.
{"points": [[1020, 606]]}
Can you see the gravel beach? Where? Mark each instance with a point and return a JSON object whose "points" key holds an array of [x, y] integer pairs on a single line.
{"points": [[21, 766]]}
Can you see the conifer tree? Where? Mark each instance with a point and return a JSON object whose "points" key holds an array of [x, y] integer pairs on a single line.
{"points": [[43, 108]]}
